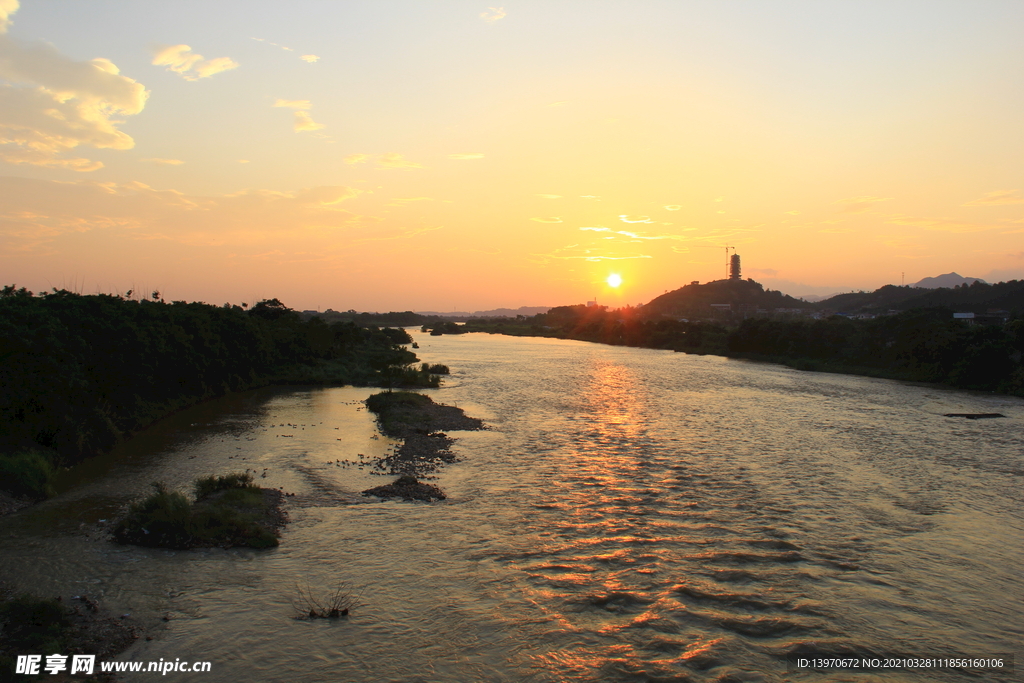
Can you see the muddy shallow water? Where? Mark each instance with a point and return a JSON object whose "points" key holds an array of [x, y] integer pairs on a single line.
{"points": [[629, 515]]}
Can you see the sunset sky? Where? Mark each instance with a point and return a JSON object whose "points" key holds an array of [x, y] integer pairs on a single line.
{"points": [[388, 155]]}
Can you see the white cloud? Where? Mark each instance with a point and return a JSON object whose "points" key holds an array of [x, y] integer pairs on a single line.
{"points": [[357, 158], [859, 204], [673, 207], [493, 14], [7, 8], [553, 219], [311, 59], [191, 66], [52, 104], [642, 219]]}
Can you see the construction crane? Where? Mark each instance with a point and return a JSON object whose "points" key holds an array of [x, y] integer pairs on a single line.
{"points": [[708, 246]]}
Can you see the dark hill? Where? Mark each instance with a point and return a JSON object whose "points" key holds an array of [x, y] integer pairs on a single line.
{"points": [[743, 295], [978, 298]]}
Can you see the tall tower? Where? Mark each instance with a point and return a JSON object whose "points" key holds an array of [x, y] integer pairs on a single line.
{"points": [[734, 267]]}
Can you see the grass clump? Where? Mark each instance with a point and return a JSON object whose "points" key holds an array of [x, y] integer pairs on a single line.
{"points": [[207, 486], [229, 511], [332, 605]]}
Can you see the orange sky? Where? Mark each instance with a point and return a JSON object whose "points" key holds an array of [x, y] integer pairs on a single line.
{"points": [[387, 155]]}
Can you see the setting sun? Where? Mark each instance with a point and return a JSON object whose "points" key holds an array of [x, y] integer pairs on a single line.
{"points": [[614, 280]]}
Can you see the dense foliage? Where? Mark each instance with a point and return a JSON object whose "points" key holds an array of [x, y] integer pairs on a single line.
{"points": [[925, 345], [78, 373]]}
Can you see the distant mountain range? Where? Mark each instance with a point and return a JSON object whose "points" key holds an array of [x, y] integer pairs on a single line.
{"points": [[948, 280], [495, 313]]}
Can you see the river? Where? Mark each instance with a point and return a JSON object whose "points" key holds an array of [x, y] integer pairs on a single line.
{"points": [[629, 515]]}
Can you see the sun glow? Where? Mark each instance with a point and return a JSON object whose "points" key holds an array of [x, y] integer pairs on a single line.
{"points": [[614, 280]]}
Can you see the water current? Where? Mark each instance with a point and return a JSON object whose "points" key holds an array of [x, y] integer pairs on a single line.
{"points": [[629, 515]]}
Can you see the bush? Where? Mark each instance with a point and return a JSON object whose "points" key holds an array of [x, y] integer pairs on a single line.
{"points": [[34, 625], [163, 520], [389, 400], [27, 473], [437, 369]]}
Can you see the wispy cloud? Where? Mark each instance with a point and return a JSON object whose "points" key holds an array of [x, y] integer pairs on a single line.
{"points": [[475, 155], [997, 198], [576, 252], [304, 122], [165, 162], [310, 59], [493, 14], [639, 236], [859, 204], [67, 103], [404, 201], [628, 219], [942, 224], [394, 160], [554, 219], [357, 158], [283, 47], [673, 207], [191, 66]]}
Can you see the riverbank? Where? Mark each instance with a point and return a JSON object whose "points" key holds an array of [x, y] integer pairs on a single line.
{"points": [[923, 345], [80, 374], [67, 625]]}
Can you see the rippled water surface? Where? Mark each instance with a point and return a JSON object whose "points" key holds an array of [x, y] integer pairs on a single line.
{"points": [[630, 515]]}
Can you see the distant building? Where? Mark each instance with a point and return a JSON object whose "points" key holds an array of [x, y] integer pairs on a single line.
{"points": [[591, 304], [734, 267]]}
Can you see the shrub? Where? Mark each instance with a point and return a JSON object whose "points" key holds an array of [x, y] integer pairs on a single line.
{"points": [[378, 403], [27, 473], [34, 625], [163, 520], [437, 369]]}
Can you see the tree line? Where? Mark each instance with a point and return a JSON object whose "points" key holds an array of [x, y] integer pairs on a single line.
{"points": [[78, 372], [925, 345]]}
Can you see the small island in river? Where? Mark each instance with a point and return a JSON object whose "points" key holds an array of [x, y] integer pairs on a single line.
{"points": [[228, 511], [417, 420]]}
